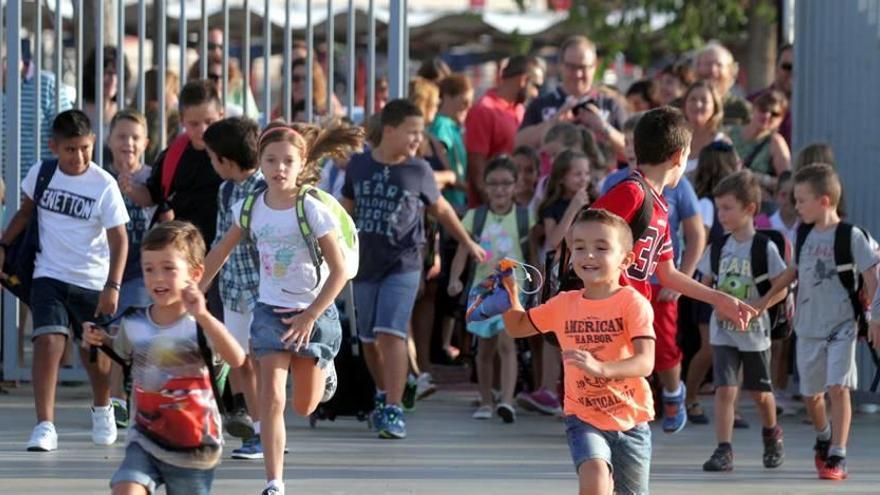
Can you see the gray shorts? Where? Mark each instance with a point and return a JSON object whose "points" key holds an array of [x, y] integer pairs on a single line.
{"points": [[822, 363], [727, 361]]}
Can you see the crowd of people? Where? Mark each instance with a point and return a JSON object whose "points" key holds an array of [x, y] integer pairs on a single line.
{"points": [[669, 223]]}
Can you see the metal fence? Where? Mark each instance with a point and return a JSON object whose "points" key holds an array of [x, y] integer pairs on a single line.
{"points": [[67, 26]]}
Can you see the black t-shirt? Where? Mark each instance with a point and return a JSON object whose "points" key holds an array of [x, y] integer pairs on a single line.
{"points": [[390, 203], [555, 210], [545, 107], [193, 190]]}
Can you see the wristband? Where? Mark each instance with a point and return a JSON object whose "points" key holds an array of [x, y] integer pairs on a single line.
{"points": [[112, 285]]}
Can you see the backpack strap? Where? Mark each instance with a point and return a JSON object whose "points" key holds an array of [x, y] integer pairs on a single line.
{"points": [[247, 210], [208, 357], [715, 255], [760, 243], [47, 170], [522, 228], [803, 231], [846, 268], [480, 215], [640, 222], [171, 161], [308, 235], [747, 163]]}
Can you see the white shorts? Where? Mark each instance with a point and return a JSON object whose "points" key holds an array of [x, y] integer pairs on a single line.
{"points": [[822, 363], [239, 325]]}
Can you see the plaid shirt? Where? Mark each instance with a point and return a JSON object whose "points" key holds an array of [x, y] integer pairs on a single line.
{"points": [[240, 276]]}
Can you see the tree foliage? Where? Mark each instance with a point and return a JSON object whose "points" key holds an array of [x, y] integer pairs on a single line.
{"points": [[634, 26]]}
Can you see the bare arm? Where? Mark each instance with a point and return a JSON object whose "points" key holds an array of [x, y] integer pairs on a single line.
{"points": [[780, 154], [221, 340], [727, 306], [639, 365], [217, 257], [782, 282], [445, 178], [117, 239], [694, 243], [347, 204], [336, 281], [458, 264], [443, 212], [16, 226], [533, 135]]}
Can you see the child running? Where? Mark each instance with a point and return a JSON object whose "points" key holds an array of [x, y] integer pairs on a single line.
{"points": [[295, 323], [729, 264], [502, 229], [176, 437], [606, 334]]}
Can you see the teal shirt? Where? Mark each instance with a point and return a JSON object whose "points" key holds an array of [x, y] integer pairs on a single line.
{"points": [[448, 132]]}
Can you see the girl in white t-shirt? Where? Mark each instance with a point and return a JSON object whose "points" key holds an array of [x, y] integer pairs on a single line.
{"points": [[296, 326]]}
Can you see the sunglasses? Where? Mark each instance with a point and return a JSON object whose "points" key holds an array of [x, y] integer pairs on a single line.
{"points": [[722, 146], [786, 66], [215, 77], [215, 46]]}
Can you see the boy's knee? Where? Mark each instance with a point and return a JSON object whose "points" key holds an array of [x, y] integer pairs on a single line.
{"points": [[726, 393], [593, 473], [761, 397], [303, 406]]}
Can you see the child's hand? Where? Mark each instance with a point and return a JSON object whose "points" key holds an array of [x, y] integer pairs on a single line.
{"points": [[476, 252], [108, 302], [738, 312], [300, 331], [580, 199], [194, 301], [455, 287], [874, 334], [583, 360], [125, 181], [93, 335]]}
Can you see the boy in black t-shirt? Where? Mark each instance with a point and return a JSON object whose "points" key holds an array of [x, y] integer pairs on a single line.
{"points": [[387, 191], [188, 187]]}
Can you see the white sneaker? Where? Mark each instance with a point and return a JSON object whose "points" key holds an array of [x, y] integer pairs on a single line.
{"points": [[483, 412], [331, 382], [44, 438], [425, 386], [103, 426]]}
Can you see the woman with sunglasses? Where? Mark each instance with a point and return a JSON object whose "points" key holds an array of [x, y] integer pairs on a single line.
{"points": [[759, 144]]}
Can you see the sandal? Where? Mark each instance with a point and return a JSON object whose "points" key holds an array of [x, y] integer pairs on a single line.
{"points": [[696, 415]]}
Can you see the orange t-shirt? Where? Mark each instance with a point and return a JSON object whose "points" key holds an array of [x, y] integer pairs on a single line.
{"points": [[606, 328]]}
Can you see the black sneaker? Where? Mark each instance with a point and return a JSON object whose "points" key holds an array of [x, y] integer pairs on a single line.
{"points": [[773, 449], [409, 394], [821, 453], [721, 460], [239, 424]]}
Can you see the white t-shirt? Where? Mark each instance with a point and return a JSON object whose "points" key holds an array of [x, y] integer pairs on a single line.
{"points": [[74, 213], [287, 275], [707, 212]]}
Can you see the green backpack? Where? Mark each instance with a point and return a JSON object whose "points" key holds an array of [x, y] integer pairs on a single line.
{"points": [[345, 226]]}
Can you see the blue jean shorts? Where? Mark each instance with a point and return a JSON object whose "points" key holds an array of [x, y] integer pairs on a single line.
{"points": [[385, 305], [57, 307], [142, 468], [267, 329], [628, 453]]}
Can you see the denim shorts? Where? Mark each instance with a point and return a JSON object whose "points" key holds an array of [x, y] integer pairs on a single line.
{"points": [[628, 453], [385, 305], [57, 307], [142, 468], [267, 329]]}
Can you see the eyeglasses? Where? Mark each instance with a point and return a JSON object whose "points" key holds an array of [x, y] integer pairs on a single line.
{"points": [[298, 79], [215, 77], [215, 46], [786, 66], [578, 67], [500, 184]]}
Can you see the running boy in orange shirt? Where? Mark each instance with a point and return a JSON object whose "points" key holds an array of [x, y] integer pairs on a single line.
{"points": [[606, 334]]}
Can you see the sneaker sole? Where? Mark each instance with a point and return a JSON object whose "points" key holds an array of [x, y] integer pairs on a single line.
{"points": [[239, 430], [387, 435], [247, 457], [506, 415], [673, 431], [40, 449], [710, 470], [534, 406], [426, 393], [833, 477]]}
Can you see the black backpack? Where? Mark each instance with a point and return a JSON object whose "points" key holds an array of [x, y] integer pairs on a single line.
{"points": [[781, 324], [21, 255], [560, 276], [847, 272]]}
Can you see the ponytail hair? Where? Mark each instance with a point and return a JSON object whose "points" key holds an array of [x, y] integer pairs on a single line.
{"points": [[316, 143]]}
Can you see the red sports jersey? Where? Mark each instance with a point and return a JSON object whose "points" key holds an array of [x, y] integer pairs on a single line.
{"points": [[655, 245]]}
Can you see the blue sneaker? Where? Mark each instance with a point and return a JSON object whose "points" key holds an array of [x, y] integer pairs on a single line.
{"points": [[674, 412], [377, 417], [251, 448], [394, 427]]}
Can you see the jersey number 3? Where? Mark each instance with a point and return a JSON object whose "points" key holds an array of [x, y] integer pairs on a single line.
{"points": [[646, 255]]}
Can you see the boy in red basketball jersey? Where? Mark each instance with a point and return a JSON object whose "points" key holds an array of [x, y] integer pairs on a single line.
{"points": [[662, 144]]}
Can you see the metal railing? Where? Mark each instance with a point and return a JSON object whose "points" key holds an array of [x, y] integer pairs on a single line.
{"points": [[133, 20]]}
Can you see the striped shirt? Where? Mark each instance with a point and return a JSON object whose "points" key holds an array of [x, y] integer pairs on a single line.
{"points": [[28, 108], [240, 276]]}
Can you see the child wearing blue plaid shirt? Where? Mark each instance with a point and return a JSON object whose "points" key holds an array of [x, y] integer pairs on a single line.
{"points": [[232, 145]]}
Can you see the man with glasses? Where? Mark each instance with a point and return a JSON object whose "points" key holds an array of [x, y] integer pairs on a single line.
{"points": [[493, 120], [576, 100], [782, 81]]}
